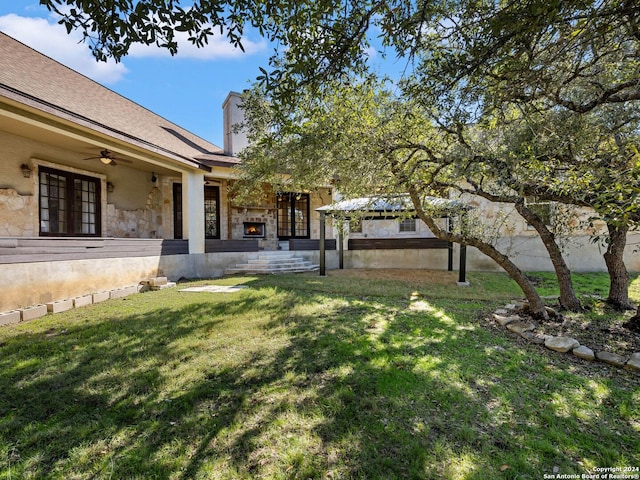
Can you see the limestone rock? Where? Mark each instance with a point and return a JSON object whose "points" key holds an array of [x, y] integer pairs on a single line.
{"points": [[561, 344], [552, 312], [634, 362], [506, 320], [537, 338], [611, 358], [528, 335], [521, 327], [584, 352]]}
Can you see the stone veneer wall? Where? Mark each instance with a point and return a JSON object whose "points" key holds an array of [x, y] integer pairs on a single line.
{"points": [[141, 223], [266, 212], [16, 214], [266, 215]]}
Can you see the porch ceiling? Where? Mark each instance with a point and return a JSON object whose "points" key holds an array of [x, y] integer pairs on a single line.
{"points": [[53, 133]]}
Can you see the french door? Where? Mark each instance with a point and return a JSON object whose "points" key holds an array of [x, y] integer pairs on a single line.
{"points": [[293, 215]]}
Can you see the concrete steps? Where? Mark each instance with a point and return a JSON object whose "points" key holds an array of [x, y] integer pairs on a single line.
{"points": [[270, 263]]}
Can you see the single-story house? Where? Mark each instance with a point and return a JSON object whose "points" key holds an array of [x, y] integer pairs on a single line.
{"points": [[97, 193]]}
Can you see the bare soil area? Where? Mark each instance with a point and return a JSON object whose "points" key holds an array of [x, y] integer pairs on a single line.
{"points": [[410, 275]]}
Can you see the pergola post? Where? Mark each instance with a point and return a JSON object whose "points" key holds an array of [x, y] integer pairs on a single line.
{"points": [[341, 248], [323, 221], [449, 247], [462, 272]]}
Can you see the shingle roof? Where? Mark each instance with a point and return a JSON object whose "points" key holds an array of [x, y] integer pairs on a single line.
{"points": [[36, 80]]}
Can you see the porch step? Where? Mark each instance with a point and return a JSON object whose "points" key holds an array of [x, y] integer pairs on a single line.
{"points": [[273, 263]]}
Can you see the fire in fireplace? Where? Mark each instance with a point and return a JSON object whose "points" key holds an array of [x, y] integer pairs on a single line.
{"points": [[254, 230]]}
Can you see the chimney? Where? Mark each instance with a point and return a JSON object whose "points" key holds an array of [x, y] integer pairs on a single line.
{"points": [[233, 115]]}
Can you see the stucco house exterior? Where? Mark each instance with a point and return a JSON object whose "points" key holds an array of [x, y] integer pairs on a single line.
{"points": [[97, 192]]}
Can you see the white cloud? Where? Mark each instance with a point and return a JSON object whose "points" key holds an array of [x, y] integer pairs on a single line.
{"points": [[371, 52], [217, 48], [52, 40]]}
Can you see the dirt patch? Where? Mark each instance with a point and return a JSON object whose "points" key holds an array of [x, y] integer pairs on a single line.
{"points": [[407, 275], [601, 334]]}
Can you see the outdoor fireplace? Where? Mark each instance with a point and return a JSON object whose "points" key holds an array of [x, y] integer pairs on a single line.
{"points": [[253, 230]]}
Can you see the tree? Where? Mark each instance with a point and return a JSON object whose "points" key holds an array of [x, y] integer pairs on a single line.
{"points": [[364, 140], [559, 59], [560, 156]]}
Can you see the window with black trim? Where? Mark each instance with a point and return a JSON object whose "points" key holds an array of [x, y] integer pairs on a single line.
{"points": [[211, 212], [69, 204], [293, 215], [407, 225], [542, 209]]}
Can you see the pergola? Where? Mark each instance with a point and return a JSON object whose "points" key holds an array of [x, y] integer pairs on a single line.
{"points": [[393, 207]]}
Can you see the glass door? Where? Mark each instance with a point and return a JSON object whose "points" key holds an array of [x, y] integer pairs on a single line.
{"points": [[293, 215]]}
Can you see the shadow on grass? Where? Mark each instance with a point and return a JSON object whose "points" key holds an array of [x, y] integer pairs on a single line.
{"points": [[277, 382]]}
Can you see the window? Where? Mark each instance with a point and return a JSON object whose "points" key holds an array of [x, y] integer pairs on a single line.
{"points": [[293, 215], [542, 209], [211, 211], [177, 210], [408, 225], [69, 204]]}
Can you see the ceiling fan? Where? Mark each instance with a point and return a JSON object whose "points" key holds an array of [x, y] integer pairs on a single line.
{"points": [[107, 158]]}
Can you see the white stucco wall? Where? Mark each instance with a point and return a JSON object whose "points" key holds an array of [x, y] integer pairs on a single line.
{"points": [[27, 284]]}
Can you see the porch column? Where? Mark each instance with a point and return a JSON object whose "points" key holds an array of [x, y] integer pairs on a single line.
{"points": [[193, 210]]}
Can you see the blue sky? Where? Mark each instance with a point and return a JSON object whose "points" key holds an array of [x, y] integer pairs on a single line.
{"points": [[187, 89]]}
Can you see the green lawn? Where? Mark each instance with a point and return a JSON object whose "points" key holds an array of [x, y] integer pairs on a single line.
{"points": [[305, 377]]}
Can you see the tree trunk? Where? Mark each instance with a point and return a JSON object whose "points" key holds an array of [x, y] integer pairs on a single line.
{"points": [[536, 306], [568, 299], [618, 274]]}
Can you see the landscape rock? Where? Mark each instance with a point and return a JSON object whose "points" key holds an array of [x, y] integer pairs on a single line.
{"points": [[611, 358], [634, 362], [521, 327], [528, 335], [506, 320], [552, 312], [538, 338], [561, 344], [584, 352]]}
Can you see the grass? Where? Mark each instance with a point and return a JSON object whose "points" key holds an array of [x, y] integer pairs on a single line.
{"points": [[302, 377]]}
